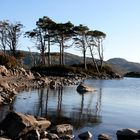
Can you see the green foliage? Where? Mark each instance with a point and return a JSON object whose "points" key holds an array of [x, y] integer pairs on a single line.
{"points": [[8, 61], [76, 69]]}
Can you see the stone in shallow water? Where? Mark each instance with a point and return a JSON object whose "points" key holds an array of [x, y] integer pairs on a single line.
{"points": [[104, 137], [62, 129], [85, 135], [128, 134]]}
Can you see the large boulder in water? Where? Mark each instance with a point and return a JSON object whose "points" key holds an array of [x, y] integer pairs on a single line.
{"points": [[82, 88]]}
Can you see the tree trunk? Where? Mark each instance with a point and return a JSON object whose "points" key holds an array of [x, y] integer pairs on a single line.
{"points": [[84, 57], [94, 62], [49, 56]]}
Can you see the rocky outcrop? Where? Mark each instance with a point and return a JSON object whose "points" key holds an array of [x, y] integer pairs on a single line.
{"points": [[82, 88]]}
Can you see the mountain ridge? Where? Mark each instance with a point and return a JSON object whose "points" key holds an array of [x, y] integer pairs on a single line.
{"points": [[119, 65]]}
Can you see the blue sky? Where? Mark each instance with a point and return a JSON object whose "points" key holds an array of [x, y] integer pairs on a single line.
{"points": [[119, 19]]}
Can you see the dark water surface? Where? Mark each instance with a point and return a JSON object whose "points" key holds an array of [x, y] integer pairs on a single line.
{"points": [[115, 105]]}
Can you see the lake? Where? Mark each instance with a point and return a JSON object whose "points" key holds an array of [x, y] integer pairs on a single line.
{"points": [[115, 105]]}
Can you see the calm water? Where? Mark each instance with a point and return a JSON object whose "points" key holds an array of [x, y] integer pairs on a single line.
{"points": [[115, 105]]}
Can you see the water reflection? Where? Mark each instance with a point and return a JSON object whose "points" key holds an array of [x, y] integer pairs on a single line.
{"points": [[62, 105]]}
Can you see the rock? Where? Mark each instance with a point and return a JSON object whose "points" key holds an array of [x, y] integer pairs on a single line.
{"points": [[127, 134], [52, 136], [104, 137], [1, 100], [82, 88], [3, 70], [4, 84], [85, 135], [43, 124], [5, 138], [53, 84], [67, 137], [32, 135], [43, 134], [16, 124], [62, 129]]}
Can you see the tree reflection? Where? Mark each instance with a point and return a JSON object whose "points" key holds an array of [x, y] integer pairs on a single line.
{"points": [[53, 105]]}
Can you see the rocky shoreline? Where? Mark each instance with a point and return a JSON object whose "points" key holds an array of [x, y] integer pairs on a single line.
{"points": [[15, 80], [17, 126]]}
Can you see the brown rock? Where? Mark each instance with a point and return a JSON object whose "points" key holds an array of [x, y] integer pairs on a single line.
{"points": [[16, 124], [104, 137], [43, 124], [62, 129]]}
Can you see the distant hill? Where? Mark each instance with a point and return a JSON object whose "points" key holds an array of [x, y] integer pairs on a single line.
{"points": [[123, 66], [118, 65]]}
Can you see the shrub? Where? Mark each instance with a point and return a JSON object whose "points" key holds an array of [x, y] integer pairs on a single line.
{"points": [[8, 61]]}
